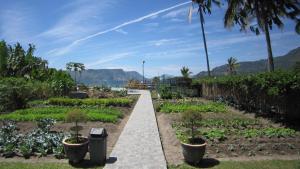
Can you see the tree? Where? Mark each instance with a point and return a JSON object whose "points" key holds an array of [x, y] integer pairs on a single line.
{"points": [[232, 65], [203, 7], [266, 13], [3, 58], [76, 67], [185, 71]]}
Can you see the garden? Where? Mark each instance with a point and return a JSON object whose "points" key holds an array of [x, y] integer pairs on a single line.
{"points": [[42, 108], [228, 132]]}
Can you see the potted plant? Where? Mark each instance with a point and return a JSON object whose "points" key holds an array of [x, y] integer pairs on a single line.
{"points": [[193, 147], [76, 146]]}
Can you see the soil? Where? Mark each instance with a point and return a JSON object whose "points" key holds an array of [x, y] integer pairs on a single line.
{"points": [[234, 147]]}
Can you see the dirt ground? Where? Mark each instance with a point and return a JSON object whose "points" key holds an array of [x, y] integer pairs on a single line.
{"points": [[241, 149]]}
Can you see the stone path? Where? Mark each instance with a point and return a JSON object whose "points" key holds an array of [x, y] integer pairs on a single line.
{"points": [[139, 145]]}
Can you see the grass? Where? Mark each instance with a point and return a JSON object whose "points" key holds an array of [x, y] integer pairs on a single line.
{"points": [[181, 107], [58, 113], [264, 164], [19, 165], [122, 102]]}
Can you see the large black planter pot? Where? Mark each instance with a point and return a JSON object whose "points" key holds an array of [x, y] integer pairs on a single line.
{"points": [[193, 153], [76, 152]]}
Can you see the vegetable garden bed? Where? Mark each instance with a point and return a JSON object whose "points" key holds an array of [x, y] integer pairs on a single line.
{"points": [[229, 133]]}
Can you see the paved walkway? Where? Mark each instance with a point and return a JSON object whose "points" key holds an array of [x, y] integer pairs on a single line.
{"points": [[139, 145]]}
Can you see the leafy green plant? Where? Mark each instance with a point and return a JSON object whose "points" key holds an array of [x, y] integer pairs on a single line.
{"points": [[75, 116], [58, 113], [213, 134], [190, 120], [181, 107]]}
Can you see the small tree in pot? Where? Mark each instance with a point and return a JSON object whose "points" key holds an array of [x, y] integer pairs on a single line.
{"points": [[193, 147], [76, 146]]}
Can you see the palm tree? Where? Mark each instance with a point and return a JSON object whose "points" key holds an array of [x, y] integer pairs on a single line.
{"points": [[185, 71], [203, 7], [232, 65], [76, 67], [265, 13]]}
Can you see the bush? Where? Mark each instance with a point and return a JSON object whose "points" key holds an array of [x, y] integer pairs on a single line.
{"points": [[14, 93]]}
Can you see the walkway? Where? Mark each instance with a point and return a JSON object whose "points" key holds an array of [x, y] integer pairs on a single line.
{"points": [[139, 145]]}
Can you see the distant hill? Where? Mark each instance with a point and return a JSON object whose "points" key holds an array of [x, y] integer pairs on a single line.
{"points": [[108, 77], [281, 62]]}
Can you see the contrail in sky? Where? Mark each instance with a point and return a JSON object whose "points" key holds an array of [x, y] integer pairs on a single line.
{"points": [[67, 48]]}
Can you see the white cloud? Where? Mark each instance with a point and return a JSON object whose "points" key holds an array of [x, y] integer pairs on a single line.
{"points": [[140, 19], [107, 59], [121, 31]]}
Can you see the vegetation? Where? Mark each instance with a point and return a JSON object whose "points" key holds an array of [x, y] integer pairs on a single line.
{"points": [[266, 13], [185, 71], [263, 164], [40, 141], [268, 93], [191, 119], [75, 116], [203, 7], [26, 77], [122, 102], [76, 67], [232, 65], [182, 107], [59, 113], [43, 165]]}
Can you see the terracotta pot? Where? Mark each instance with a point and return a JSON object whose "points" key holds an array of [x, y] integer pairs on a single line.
{"points": [[76, 152], [193, 153]]}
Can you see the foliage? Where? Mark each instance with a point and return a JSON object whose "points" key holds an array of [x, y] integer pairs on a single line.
{"points": [[75, 116], [213, 134], [269, 132], [232, 65], [190, 120], [268, 93], [185, 71], [123, 102], [40, 141], [76, 67], [182, 107], [58, 113], [165, 92]]}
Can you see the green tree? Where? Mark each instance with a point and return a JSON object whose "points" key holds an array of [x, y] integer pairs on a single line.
{"points": [[76, 67], [3, 58], [185, 71], [232, 65], [265, 13], [204, 6]]}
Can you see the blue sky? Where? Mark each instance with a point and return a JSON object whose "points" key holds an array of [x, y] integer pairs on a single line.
{"points": [[123, 33]]}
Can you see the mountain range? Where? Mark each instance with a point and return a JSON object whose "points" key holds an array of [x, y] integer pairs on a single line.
{"points": [[284, 62], [107, 77]]}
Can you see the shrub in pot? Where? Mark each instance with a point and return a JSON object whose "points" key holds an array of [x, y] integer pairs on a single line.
{"points": [[76, 146], [193, 147]]}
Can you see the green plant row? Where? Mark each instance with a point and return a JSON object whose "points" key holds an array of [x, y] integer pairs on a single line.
{"points": [[182, 107], [233, 123], [58, 113], [123, 102]]}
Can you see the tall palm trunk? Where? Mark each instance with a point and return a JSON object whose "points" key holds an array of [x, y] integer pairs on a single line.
{"points": [[204, 38], [270, 54]]}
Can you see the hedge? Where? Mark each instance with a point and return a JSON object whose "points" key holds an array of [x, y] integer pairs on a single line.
{"points": [[275, 94]]}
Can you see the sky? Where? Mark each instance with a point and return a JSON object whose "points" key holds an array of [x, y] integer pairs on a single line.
{"points": [[122, 33]]}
